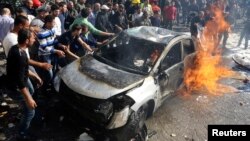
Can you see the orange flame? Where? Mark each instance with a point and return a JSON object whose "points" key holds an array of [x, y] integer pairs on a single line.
{"points": [[207, 70]]}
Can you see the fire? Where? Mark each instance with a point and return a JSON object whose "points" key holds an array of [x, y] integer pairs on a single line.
{"points": [[206, 69]]}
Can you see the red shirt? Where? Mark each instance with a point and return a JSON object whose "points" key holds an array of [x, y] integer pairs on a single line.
{"points": [[170, 12]]}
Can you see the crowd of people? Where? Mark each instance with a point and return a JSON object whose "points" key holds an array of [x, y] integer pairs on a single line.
{"points": [[41, 36]]}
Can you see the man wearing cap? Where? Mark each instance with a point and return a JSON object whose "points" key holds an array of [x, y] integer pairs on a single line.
{"points": [[102, 21]]}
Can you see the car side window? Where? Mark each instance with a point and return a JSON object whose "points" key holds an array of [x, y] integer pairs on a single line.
{"points": [[188, 47], [173, 57]]}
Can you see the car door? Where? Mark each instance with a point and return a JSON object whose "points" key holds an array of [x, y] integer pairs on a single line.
{"points": [[171, 70]]}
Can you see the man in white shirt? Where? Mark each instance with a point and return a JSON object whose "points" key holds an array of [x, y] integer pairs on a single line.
{"points": [[138, 14], [11, 40], [55, 11]]}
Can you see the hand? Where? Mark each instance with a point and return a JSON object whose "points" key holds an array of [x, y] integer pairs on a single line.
{"points": [[35, 29], [46, 66], [31, 103], [111, 34], [93, 50], [60, 53], [104, 42], [65, 47], [39, 81], [119, 28]]}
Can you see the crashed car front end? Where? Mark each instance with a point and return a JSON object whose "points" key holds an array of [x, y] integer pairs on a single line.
{"points": [[103, 103], [110, 113]]}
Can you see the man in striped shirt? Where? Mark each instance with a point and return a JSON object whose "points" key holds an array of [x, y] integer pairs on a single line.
{"points": [[47, 52]]}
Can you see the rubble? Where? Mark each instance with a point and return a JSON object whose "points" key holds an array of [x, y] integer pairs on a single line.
{"points": [[241, 104], [202, 99], [61, 118], [151, 133], [185, 136], [12, 106], [4, 104], [242, 59], [2, 137], [85, 137], [10, 125], [8, 99], [3, 113], [173, 135]]}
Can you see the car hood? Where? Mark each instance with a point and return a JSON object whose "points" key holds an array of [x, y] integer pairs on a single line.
{"points": [[89, 77]]}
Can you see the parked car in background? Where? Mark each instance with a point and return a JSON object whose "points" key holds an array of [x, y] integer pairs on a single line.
{"points": [[122, 84]]}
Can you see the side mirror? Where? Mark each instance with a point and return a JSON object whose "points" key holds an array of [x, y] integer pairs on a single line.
{"points": [[163, 76], [163, 79]]}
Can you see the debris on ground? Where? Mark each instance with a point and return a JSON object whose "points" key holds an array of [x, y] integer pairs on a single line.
{"points": [[173, 135], [4, 104], [61, 118], [2, 137], [13, 106], [3, 113], [10, 125], [151, 133], [202, 99], [85, 137], [185, 136], [241, 104]]}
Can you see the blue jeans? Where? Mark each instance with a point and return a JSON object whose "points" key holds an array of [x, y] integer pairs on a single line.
{"points": [[27, 114]]}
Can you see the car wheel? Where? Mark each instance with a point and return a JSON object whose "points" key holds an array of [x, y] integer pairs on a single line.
{"points": [[135, 129]]}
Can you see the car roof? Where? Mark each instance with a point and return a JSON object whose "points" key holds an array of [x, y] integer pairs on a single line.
{"points": [[153, 34]]}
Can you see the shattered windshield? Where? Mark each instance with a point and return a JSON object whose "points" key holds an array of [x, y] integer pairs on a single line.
{"points": [[131, 53]]}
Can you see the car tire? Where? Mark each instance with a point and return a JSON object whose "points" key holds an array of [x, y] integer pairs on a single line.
{"points": [[135, 129]]}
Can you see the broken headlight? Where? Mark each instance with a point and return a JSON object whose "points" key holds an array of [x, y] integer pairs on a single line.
{"points": [[119, 119], [120, 101], [104, 111], [122, 104]]}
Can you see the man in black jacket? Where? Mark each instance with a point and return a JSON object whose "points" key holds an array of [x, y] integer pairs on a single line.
{"points": [[18, 75], [102, 22], [119, 19]]}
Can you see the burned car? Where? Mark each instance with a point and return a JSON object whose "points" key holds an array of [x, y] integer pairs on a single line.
{"points": [[122, 84]]}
